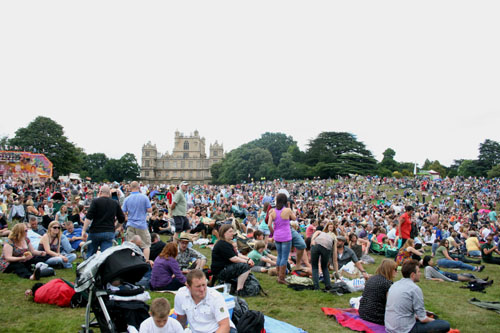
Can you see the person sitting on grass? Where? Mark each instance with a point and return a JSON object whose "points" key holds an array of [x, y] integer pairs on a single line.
{"points": [[227, 263], [261, 257], [487, 250], [18, 254], [166, 274], [408, 251], [435, 274], [445, 261], [160, 320], [372, 304], [51, 244], [405, 311], [187, 257], [472, 245]]}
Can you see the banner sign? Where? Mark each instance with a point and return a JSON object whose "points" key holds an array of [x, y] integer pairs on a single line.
{"points": [[24, 164]]}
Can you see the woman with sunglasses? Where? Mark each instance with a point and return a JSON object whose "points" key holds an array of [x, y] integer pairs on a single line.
{"points": [[51, 243], [18, 254]]}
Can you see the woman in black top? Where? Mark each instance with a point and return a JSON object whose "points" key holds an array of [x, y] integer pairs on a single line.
{"points": [[227, 263], [372, 304]]}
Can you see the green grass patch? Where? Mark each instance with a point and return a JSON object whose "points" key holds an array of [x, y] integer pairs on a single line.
{"points": [[302, 309]]}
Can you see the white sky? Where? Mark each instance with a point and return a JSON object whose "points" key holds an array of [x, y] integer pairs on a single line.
{"points": [[420, 77]]}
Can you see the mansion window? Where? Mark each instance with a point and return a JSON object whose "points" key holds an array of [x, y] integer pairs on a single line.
{"points": [[186, 145]]}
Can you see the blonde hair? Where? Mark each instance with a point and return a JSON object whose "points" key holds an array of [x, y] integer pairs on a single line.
{"points": [[409, 242], [18, 232], [160, 308], [55, 223]]}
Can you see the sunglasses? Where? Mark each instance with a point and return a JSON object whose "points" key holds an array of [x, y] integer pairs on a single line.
{"points": [[56, 227]]}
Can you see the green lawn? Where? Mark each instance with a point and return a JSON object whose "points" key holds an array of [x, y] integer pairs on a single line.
{"points": [[302, 309]]}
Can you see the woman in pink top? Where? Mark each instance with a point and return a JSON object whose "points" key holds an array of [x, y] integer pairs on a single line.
{"points": [[280, 225]]}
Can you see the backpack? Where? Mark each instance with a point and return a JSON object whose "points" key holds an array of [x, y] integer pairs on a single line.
{"points": [[252, 287], [251, 322], [240, 307], [475, 286]]}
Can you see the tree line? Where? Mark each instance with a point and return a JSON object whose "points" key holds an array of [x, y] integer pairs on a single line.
{"points": [[44, 135], [272, 156], [332, 154]]}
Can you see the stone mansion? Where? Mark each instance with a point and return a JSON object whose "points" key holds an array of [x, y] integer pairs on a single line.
{"points": [[188, 161]]}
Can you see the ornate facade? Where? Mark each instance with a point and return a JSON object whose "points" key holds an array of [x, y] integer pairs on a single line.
{"points": [[188, 161]]}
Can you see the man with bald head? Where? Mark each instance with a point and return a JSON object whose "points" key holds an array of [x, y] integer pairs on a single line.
{"points": [[136, 206], [101, 217]]}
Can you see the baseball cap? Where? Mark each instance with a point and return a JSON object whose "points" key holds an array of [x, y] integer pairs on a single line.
{"points": [[184, 183]]}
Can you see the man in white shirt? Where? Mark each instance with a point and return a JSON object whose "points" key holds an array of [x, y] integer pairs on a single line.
{"points": [[205, 309]]}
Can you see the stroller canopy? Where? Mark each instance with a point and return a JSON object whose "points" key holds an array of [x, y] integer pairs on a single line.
{"points": [[125, 261]]}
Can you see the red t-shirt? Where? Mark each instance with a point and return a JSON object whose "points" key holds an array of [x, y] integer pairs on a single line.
{"points": [[405, 222]]}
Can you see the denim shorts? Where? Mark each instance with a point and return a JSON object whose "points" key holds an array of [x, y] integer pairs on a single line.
{"points": [[297, 241]]}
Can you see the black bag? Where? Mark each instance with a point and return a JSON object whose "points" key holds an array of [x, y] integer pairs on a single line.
{"points": [[414, 230], [252, 287], [251, 322], [240, 307], [475, 286]]}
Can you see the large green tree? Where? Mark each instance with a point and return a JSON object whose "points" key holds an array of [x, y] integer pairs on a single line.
{"points": [[489, 156], [341, 154], [45, 136], [276, 143]]}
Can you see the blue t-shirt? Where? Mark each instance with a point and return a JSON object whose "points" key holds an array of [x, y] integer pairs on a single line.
{"points": [[136, 205], [76, 232]]}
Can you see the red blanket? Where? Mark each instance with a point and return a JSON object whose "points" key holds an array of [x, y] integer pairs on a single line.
{"points": [[350, 318]]}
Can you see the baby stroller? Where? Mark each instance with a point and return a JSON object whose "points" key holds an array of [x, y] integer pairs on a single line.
{"points": [[114, 309]]}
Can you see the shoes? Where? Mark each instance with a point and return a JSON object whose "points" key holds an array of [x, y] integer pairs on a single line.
{"points": [[480, 268]]}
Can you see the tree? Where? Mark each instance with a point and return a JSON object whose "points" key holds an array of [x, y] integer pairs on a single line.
{"points": [[125, 168], [94, 166], [244, 163], [341, 154], [388, 161], [276, 143], [43, 135], [468, 168], [489, 156], [494, 172]]}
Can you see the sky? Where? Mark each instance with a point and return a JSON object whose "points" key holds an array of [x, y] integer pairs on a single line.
{"points": [[422, 78]]}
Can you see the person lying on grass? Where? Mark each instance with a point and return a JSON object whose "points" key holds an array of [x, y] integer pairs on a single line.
{"points": [[434, 273]]}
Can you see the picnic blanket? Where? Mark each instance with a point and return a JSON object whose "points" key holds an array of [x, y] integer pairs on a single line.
{"points": [[350, 318], [272, 325]]}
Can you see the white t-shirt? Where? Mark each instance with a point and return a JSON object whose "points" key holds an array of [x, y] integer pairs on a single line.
{"points": [[392, 234], [172, 326], [204, 316]]}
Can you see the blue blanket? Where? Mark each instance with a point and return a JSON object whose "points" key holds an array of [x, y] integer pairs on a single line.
{"points": [[276, 326]]}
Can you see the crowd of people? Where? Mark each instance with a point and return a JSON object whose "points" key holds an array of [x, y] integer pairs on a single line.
{"points": [[315, 227]]}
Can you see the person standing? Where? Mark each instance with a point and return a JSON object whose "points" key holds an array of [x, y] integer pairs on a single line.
{"points": [[179, 210], [136, 206], [404, 226], [101, 217], [404, 311], [279, 219]]}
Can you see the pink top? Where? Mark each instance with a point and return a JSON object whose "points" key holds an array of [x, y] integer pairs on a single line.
{"points": [[282, 231]]}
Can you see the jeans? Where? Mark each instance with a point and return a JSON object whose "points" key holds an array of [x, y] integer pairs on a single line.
{"points": [[66, 245], [320, 252], [102, 239], [283, 252], [436, 326], [475, 253], [445, 263], [56, 261]]}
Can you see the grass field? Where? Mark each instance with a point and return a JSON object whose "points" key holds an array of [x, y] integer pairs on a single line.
{"points": [[302, 309]]}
